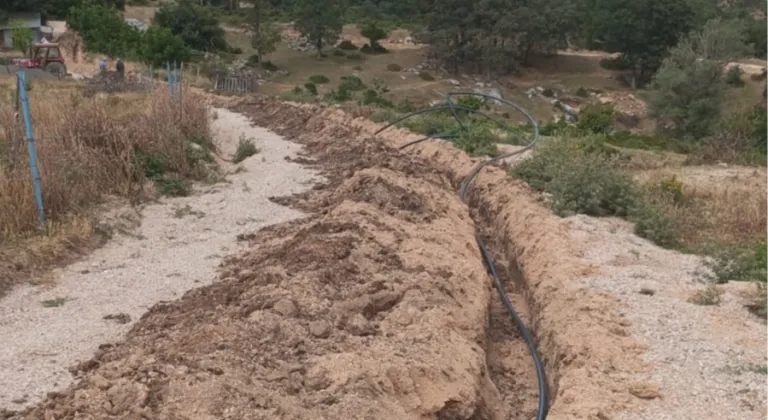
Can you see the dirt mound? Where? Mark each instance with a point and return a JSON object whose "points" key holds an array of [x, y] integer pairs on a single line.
{"points": [[588, 377], [375, 307]]}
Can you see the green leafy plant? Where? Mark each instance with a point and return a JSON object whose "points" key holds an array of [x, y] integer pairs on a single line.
{"points": [[596, 118], [351, 83], [245, 149], [477, 140], [319, 79]]}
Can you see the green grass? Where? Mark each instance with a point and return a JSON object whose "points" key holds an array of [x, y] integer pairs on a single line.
{"points": [[54, 303]]}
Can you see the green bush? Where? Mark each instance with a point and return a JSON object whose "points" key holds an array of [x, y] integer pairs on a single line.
{"points": [[245, 149], [740, 262], [269, 66], [351, 83], [341, 95], [581, 178], [311, 88], [425, 76], [548, 92], [347, 45], [253, 60], [471, 102], [596, 118], [173, 187], [394, 67], [733, 76], [477, 140], [431, 123], [319, 79], [582, 93]]}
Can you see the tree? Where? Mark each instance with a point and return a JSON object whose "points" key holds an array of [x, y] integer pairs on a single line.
{"points": [[642, 31], [689, 86], [198, 28], [160, 45], [22, 36], [319, 20], [720, 40], [103, 30], [374, 33], [268, 39]]}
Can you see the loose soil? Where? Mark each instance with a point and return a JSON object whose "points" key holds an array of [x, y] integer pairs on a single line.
{"points": [[376, 305], [177, 246]]}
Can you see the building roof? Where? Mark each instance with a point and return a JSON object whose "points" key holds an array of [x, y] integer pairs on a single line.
{"points": [[31, 20]]}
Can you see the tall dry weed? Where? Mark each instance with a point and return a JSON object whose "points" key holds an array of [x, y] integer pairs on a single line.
{"points": [[87, 150]]}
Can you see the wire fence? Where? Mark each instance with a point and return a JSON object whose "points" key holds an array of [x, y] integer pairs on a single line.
{"points": [[24, 129]]}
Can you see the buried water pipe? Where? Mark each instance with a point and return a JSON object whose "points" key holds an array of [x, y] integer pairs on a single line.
{"points": [[542, 409]]}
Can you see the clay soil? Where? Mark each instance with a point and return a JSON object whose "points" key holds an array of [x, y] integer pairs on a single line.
{"points": [[375, 306]]}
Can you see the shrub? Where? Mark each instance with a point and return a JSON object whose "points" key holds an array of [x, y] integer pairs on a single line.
{"points": [[394, 67], [234, 50], [319, 79], [426, 76], [431, 123], [471, 102], [297, 90], [269, 66], [245, 149], [733, 76], [253, 60], [340, 95], [173, 187], [311, 88], [477, 140], [347, 45], [596, 118], [351, 83], [548, 92], [357, 68], [582, 178], [740, 262], [582, 93]]}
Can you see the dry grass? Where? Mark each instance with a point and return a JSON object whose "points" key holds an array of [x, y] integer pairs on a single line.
{"points": [[722, 205], [87, 150]]}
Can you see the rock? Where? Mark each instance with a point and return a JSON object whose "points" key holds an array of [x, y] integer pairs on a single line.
{"points": [[495, 92], [127, 396], [358, 325], [320, 329], [99, 382], [453, 82], [645, 390], [285, 307]]}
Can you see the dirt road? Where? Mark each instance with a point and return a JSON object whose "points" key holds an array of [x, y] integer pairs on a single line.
{"points": [[179, 244]]}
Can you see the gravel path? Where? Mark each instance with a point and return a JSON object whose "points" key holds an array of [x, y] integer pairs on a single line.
{"points": [[705, 362], [177, 247]]}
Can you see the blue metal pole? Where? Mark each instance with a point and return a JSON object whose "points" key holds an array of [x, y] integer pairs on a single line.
{"points": [[21, 85]]}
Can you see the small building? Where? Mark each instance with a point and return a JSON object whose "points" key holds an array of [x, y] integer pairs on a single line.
{"points": [[31, 20]]}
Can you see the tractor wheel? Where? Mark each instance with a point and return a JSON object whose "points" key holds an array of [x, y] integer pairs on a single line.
{"points": [[56, 68]]}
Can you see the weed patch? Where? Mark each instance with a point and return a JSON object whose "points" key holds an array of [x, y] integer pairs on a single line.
{"points": [[245, 149]]}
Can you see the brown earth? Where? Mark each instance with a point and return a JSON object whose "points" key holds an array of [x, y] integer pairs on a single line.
{"points": [[374, 307]]}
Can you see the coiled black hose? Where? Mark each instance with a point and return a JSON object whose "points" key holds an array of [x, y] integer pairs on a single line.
{"points": [[463, 191]]}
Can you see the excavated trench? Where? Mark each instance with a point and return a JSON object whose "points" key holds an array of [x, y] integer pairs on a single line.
{"points": [[375, 306]]}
